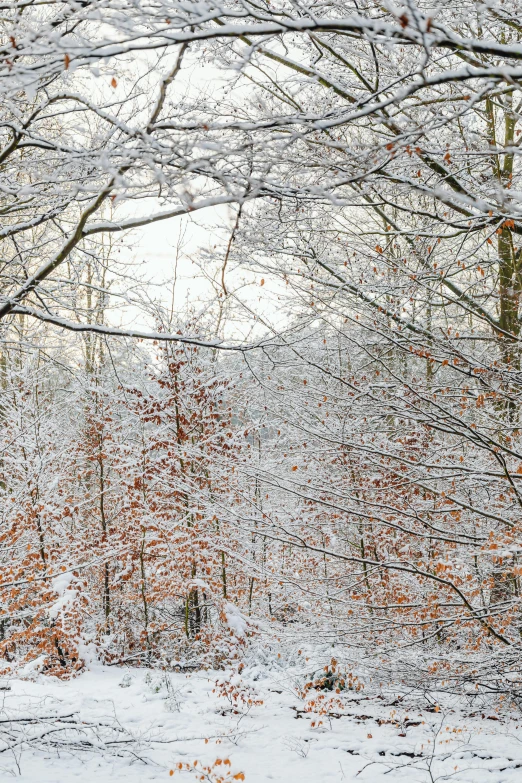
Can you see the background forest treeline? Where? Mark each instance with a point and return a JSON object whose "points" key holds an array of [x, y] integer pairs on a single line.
{"points": [[327, 443], [179, 509]]}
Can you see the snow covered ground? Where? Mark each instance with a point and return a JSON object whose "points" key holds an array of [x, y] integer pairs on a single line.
{"points": [[134, 726]]}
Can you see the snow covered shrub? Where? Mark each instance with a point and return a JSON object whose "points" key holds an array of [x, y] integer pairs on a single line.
{"points": [[239, 695], [42, 597], [331, 678], [218, 772], [45, 633]]}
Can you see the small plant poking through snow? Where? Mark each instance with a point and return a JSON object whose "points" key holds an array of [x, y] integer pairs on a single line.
{"points": [[332, 679], [126, 681], [314, 692], [161, 684], [323, 706], [218, 772], [240, 696]]}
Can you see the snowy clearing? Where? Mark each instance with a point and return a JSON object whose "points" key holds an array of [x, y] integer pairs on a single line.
{"points": [[135, 725]]}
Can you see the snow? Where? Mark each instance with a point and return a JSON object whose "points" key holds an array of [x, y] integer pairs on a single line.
{"points": [[61, 585], [237, 623], [34, 666], [159, 721]]}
